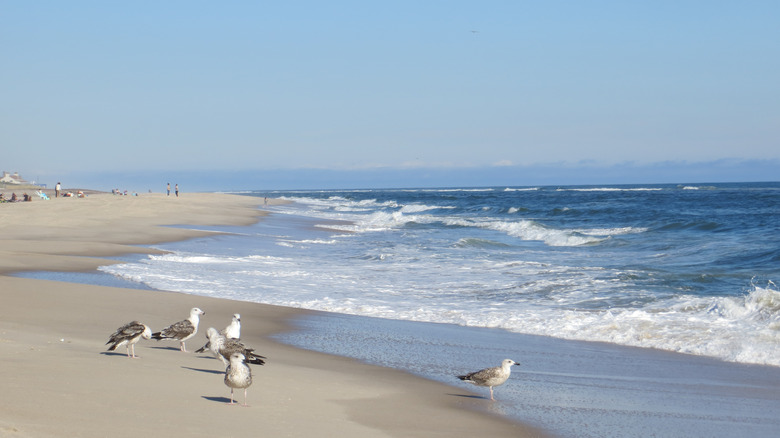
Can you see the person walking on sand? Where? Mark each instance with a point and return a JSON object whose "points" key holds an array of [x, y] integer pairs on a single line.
{"points": [[177, 190], [169, 189], [57, 189]]}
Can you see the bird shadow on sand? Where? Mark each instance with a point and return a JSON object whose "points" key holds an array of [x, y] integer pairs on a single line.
{"points": [[204, 371], [479, 397], [113, 353], [217, 399], [205, 357], [167, 348]]}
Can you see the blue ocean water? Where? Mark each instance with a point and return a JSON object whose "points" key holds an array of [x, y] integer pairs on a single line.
{"points": [[507, 270], [688, 269]]}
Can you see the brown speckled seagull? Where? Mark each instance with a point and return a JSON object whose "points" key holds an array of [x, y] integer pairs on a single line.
{"points": [[238, 375], [182, 330], [491, 377], [128, 335]]}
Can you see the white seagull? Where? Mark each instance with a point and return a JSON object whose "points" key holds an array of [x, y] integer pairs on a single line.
{"points": [[222, 348], [238, 375], [491, 377], [128, 335], [233, 330], [182, 330]]}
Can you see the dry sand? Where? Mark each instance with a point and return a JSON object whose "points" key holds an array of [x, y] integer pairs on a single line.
{"points": [[57, 380]]}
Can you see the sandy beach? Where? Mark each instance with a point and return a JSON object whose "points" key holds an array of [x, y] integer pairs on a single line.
{"points": [[58, 379]]}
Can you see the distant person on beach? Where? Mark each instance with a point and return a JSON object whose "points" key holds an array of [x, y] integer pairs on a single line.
{"points": [[57, 189], [177, 190], [169, 189]]}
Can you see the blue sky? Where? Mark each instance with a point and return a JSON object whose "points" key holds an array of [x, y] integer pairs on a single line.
{"points": [[610, 91]]}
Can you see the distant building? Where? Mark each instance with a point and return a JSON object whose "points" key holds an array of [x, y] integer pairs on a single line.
{"points": [[14, 178]]}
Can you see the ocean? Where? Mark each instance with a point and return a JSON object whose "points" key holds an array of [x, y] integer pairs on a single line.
{"points": [[448, 280], [690, 269]]}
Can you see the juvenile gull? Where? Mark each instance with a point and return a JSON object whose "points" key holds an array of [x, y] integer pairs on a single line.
{"points": [[222, 348], [182, 330], [238, 375], [490, 377], [128, 335]]}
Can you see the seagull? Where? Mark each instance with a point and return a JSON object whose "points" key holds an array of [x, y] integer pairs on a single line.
{"points": [[182, 330], [490, 377], [238, 375], [233, 330], [128, 335], [222, 348]]}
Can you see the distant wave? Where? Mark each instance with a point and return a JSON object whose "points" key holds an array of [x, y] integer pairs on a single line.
{"points": [[610, 189], [379, 219], [309, 241], [417, 208], [453, 190], [698, 187], [513, 210], [478, 243], [611, 231]]}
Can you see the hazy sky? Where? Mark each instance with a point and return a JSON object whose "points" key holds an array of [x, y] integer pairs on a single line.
{"points": [[344, 85]]}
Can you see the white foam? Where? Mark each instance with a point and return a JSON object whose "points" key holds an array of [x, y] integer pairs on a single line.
{"points": [[418, 208], [378, 218], [522, 296], [698, 187], [476, 190], [530, 230], [605, 232], [304, 242], [611, 189]]}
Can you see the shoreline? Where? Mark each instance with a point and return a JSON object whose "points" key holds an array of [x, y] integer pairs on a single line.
{"points": [[571, 388], [53, 334]]}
